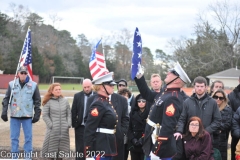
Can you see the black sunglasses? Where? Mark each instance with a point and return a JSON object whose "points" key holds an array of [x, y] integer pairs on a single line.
{"points": [[24, 73], [141, 100], [220, 98], [122, 85], [174, 72], [109, 83]]}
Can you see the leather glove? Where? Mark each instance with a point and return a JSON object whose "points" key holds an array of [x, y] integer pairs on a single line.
{"points": [[4, 117], [135, 142], [34, 120]]}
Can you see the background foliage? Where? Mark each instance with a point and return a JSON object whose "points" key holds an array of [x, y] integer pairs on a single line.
{"points": [[213, 47]]}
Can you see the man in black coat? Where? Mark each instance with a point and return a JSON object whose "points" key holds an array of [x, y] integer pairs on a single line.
{"points": [[234, 102], [78, 113], [121, 106]]}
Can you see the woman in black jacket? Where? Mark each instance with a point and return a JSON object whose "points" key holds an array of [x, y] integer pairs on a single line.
{"points": [[220, 137], [137, 125]]}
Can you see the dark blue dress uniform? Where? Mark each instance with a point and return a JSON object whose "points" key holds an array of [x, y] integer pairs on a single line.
{"points": [[99, 134], [163, 117]]}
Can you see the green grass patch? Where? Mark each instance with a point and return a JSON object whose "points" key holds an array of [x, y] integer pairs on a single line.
{"points": [[69, 86]]}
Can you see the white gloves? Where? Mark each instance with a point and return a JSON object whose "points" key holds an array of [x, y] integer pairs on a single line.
{"points": [[140, 71]]}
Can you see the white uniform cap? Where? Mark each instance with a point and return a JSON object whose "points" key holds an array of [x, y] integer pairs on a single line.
{"points": [[182, 74], [107, 77]]}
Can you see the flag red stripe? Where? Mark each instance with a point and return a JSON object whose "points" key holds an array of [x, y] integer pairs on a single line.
{"points": [[30, 71], [96, 72], [100, 60], [93, 66]]}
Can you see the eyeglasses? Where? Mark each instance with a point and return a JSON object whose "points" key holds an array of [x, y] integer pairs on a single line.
{"points": [[220, 98], [121, 85], [109, 83], [174, 72], [24, 73], [141, 100], [194, 125]]}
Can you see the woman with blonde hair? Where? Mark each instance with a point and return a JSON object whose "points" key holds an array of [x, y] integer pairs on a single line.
{"points": [[220, 137], [57, 116]]}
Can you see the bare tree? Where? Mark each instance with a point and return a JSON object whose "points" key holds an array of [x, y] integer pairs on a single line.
{"points": [[227, 16], [55, 18]]}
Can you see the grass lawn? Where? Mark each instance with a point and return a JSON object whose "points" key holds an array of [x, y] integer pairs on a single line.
{"points": [[66, 86]]}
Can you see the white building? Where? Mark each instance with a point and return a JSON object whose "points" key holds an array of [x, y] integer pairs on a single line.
{"points": [[229, 77]]}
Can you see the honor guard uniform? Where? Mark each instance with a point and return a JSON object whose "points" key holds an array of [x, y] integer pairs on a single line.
{"points": [[159, 141], [100, 127]]}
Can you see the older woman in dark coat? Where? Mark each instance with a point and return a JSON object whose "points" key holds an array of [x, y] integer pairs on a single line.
{"points": [[197, 141]]}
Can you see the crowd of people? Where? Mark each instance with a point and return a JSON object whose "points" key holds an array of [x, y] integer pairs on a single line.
{"points": [[161, 122]]}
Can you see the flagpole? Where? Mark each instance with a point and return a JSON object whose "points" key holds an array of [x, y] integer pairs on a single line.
{"points": [[15, 77]]}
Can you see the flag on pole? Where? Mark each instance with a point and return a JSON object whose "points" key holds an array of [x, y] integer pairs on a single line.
{"points": [[137, 53], [97, 64], [26, 55]]}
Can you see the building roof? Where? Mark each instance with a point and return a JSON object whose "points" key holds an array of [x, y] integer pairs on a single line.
{"points": [[232, 73]]}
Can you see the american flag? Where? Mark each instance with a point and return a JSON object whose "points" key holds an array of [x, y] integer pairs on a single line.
{"points": [[137, 53], [97, 63], [26, 55]]}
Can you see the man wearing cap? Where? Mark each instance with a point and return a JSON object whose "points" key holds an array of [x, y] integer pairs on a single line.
{"points": [[121, 106], [159, 141], [122, 83], [100, 127], [25, 98], [202, 105]]}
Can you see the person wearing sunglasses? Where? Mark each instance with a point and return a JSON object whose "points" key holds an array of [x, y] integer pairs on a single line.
{"points": [[159, 141], [102, 118], [122, 83], [120, 104], [25, 98], [197, 141], [220, 137], [137, 125]]}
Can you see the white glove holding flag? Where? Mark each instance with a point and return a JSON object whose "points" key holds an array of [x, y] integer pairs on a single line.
{"points": [[154, 157], [140, 71]]}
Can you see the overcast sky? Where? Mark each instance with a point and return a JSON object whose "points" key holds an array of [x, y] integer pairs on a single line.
{"points": [[157, 20]]}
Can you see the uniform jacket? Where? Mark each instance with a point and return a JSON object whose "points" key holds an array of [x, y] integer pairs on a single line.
{"points": [[101, 115], [121, 106], [78, 109], [200, 149], [206, 109], [24, 100], [57, 116], [234, 98], [166, 110]]}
